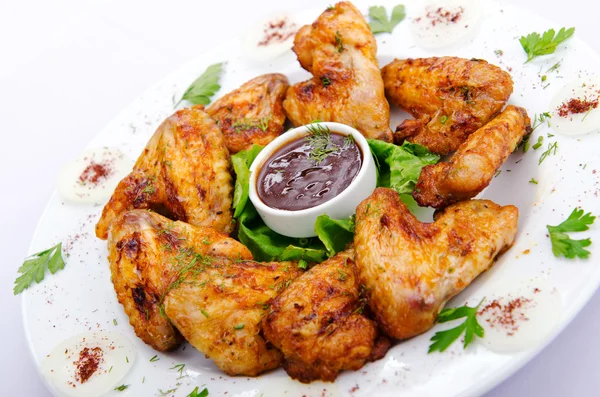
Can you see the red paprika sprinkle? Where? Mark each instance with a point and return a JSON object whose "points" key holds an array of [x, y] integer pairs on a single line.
{"points": [[278, 31], [576, 105], [88, 362], [95, 172], [506, 316]]}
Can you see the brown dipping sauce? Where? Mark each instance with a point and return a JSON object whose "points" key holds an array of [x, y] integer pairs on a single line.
{"points": [[309, 171]]}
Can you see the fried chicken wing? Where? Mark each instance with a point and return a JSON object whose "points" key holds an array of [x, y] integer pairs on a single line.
{"points": [[471, 168], [146, 252], [183, 172], [449, 97], [218, 304], [340, 51], [411, 269], [252, 114], [318, 325]]}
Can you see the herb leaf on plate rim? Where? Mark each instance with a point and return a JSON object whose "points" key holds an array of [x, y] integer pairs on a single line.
{"points": [[34, 267], [443, 339], [536, 45], [196, 393], [562, 244], [204, 87], [378, 19]]}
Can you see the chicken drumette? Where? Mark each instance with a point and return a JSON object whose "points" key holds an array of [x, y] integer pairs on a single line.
{"points": [[318, 325], [147, 252], [411, 269], [253, 113], [183, 173], [340, 51], [449, 97], [471, 168]]}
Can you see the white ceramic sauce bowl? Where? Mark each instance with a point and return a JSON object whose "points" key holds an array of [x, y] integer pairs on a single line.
{"points": [[302, 223]]}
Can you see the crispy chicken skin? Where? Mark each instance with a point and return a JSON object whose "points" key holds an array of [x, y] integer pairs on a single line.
{"points": [[318, 326], [411, 269], [182, 172], [340, 51], [218, 305], [449, 97], [253, 113], [471, 168], [146, 251]]}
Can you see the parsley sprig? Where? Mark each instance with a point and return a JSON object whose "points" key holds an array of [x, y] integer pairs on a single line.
{"points": [[379, 21], [34, 267], [535, 44], [443, 339], [562, 244], [204, 87]]}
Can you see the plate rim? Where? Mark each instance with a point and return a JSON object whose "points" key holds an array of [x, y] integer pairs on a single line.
{"points": [[477, 389]]}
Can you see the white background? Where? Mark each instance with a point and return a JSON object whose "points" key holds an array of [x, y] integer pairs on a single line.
{"points": [[67, 67]]}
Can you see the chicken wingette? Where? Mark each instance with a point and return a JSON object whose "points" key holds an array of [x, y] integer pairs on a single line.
{"points": [[411, 269], [449, 97], [340, 52], [147, 252], [318, 325], [183, 173], [253, 113], [217, 304], [471, 168]]}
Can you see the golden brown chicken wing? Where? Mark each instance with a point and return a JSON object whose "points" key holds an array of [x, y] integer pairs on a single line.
{"points": [[252, 114], [318, 325], [474, 164], [340, 51], [146, 252], [183, 172], [411, 269], [218, 304], [449, 97]]}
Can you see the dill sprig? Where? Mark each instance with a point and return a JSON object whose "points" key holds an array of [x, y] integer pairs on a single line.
{"points": [[349, 140], [320, 140]]}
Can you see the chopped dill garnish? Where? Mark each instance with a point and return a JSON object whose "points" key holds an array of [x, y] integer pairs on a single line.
{"points": [[339, 45], [539, 120], [179, 368], [554, 67], [247, 124], [320, 140], [550, 151], [263, 123], [349, 140]]}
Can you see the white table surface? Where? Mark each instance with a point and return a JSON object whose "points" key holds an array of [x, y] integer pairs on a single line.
{"points": [[67, 67]]}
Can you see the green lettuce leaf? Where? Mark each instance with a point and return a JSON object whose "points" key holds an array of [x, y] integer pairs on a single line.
{"points": [[241, 166], [335, 234], [267, 245], [399, 166]]}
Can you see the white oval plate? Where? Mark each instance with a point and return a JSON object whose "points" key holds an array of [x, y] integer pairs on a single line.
{"points": [[81, 297]]}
